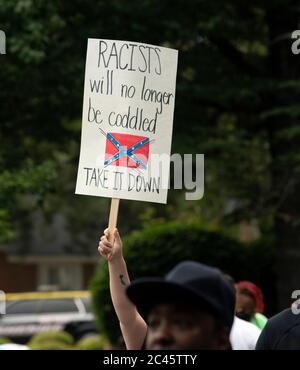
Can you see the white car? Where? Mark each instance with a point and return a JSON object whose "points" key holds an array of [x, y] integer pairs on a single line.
{"points": [[31, 313]]}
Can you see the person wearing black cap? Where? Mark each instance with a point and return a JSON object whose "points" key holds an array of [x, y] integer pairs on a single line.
{"points": [[191, 308]]}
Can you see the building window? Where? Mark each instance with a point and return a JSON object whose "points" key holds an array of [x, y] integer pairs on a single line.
{"points": [[59, 277]]}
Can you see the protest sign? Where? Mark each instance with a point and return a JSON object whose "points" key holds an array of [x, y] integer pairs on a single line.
{"points": [[127, 120]]}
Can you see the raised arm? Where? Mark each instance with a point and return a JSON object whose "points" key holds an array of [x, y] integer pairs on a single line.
{"points": [[132, 325]]}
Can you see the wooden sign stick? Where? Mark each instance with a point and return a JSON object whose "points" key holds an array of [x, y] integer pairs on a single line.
{"points": [[113, 217]]}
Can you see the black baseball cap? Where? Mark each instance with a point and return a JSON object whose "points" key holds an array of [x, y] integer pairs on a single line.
{"points": [[188, 282]]}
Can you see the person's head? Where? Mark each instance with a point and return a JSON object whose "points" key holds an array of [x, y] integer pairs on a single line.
{"points": [[249, 300], [191, 308]]}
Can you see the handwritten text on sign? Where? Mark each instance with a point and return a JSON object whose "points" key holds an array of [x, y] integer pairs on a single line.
{"points": [[127, 121]]}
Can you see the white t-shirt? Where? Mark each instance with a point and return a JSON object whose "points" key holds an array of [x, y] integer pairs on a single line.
{"points": [[243, 335]]}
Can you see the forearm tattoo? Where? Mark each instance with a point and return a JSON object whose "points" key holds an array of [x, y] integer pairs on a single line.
{"points": [[121, 280]]}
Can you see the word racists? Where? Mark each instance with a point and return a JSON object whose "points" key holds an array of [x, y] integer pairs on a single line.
{"points": [[129, 56]]}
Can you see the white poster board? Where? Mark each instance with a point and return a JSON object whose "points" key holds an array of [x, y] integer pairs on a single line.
{"points": [[127, 120]]}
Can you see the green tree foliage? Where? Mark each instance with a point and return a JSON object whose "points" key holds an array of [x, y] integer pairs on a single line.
{"points": [[95, 342], [155, 250], [4, 340], [236, 101], [51, 340]]}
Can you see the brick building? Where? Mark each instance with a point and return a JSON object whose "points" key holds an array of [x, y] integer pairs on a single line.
{"points": [[48, 258]]}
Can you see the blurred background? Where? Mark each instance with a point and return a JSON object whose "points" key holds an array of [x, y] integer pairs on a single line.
{"points": [[237, 101]]}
